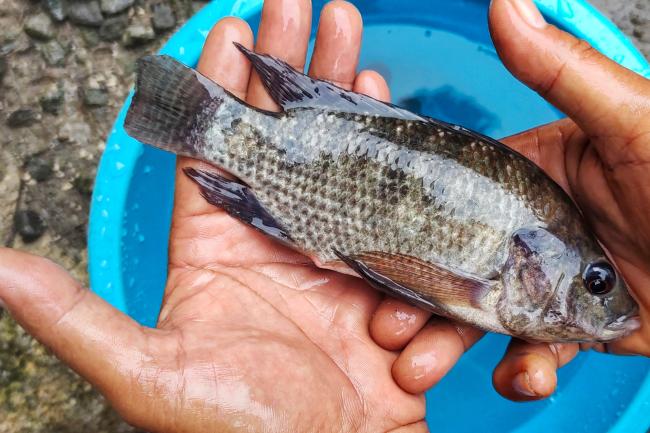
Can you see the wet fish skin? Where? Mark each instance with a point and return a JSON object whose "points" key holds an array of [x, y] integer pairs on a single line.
{"points": [[485, 235]]}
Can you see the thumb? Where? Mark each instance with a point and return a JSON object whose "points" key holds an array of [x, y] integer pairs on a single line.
{"points": [[100, 343], [602, 97]]}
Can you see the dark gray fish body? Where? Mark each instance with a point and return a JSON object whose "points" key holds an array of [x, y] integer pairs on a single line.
{"points": [[435, 214]]}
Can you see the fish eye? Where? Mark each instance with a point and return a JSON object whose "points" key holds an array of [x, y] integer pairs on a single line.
{"points": [[599, 278]]}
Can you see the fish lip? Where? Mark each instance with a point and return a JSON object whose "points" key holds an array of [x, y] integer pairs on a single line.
{"points": [[627, 324]]}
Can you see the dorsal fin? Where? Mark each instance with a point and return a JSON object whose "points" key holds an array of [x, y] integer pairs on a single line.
{"points": [[291, 89]]}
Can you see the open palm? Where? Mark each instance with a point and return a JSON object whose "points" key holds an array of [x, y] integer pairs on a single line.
{"points": [[252, 336], [265, 339], [262, 337]]}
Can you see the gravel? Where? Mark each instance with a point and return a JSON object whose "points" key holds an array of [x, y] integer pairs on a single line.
{"points": [[163, 17], [138, 34], [52, 99], [29, 225], [64, 73], [115, 6], [22, 117], [113, 28], [40, 26], [85, 13], [53, 53], [55, 8]]}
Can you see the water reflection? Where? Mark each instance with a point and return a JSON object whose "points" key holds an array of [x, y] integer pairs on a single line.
{"points": [[448, 104]]}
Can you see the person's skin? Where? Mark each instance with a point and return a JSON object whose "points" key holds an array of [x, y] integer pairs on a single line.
{"points": [[252, 337]]}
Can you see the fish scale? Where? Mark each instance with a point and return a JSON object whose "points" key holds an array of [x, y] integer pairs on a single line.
{"points": [[439, 216], [358, 187]]}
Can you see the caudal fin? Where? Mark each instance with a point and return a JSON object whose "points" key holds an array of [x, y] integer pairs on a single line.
{"points": [[170, 105]]}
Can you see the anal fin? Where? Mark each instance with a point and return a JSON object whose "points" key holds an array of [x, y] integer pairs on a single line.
{"points": [[427, 285], [238, 200]]}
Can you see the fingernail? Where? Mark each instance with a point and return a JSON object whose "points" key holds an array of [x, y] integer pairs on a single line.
{"points": [[521, 384], [529, 13]]}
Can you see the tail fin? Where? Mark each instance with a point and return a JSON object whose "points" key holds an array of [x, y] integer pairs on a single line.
{"points": [[169, 104]]}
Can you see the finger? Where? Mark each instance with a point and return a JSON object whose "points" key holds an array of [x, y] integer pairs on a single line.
{"points": [[338, 41], [528, 371], [432, 353], [545, 146], [100, 343], [283, 33], [418, 427], [604, 98], [223, 63], [371, 83], [395, 323]]}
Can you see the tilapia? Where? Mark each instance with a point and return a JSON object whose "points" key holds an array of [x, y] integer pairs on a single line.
{"points": [[432, 213]]}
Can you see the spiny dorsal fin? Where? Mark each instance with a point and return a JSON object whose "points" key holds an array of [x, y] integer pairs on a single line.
{"points": [[291, 89]]}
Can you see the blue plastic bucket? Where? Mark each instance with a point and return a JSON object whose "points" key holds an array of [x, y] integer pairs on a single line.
{"points": [[448, 41]]}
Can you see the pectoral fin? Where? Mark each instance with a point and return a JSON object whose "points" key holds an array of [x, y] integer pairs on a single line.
{"points": [[424, 284], [238, 200]]}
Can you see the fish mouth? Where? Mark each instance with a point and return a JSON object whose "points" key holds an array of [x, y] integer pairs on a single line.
{"points": [[622, 326]]}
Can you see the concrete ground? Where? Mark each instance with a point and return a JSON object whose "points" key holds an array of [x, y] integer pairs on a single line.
{"points": [[62, 81]]}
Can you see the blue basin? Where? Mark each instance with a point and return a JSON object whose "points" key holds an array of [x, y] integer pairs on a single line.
{"points": [[448, 42]]}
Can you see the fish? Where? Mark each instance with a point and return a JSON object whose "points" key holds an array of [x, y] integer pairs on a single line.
{"points": [[431, 213]]}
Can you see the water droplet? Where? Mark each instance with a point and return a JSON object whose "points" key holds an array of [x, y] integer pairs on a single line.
{"points": [[619, 58], [147, 169], [119, 165], [141, 238], [116, 146], [565, 9], [131, 282], [99, 198], [104, 263], [109, 286], [181, 51], [104, 213], [427, 33]]}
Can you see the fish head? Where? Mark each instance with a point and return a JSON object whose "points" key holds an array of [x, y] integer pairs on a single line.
{"points": [[559, 288]]}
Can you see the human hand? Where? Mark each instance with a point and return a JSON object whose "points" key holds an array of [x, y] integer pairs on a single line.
{"points": [[251, 336], [600, 155]]}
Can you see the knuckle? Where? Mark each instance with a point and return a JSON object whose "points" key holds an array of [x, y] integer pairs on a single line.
{"points": [[582, 51], [579, 51]]}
